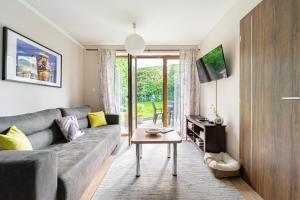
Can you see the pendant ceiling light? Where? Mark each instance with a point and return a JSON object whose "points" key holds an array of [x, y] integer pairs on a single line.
{"points": [[134, 43]]}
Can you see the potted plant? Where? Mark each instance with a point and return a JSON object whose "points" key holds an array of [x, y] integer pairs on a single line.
{"points": [[217, 118]]}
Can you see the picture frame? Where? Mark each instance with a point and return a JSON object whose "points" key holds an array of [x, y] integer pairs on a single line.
{"points": [[27, 61]]}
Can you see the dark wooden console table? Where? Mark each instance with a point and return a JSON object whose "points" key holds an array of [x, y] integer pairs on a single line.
{"points": [[208, 137]]}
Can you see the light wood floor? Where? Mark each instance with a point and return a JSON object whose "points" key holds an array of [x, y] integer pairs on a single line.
{"points": [[240, 184], [245, 189], [89, 192]]}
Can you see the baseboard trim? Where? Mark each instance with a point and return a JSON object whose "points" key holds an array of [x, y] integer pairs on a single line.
{"points": [[245, 189]]}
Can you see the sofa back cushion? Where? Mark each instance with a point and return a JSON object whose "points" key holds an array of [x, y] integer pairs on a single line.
{"points": [[39, 127], [81, 114]]}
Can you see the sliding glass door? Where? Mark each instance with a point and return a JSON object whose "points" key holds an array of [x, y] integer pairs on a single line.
{"points": [[153, 93], [173, 92], [157, 91], [150, 92]]}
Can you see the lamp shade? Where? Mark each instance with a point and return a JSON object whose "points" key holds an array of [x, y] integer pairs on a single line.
{"points": [[134, 44]]}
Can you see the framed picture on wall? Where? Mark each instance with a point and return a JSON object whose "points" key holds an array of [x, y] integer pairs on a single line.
{"points": [[27, 61]]}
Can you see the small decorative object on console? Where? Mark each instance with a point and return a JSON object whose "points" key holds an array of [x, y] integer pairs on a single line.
{"points": [[218, 119], [201, 118]]}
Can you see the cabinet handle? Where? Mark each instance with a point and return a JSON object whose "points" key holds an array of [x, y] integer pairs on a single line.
{"points": [[290, 98]]}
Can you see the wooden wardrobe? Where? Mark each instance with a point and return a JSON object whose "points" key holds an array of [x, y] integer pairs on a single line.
{"points": [[269, 101]]}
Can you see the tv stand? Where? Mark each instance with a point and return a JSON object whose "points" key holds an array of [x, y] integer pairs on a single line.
{"points": [[209, 137]]}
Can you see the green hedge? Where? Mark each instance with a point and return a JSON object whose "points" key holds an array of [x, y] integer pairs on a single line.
{"points": [[149, 83]]}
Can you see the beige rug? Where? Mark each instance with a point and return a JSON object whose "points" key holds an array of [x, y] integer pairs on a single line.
{"points": [[194, 180]]}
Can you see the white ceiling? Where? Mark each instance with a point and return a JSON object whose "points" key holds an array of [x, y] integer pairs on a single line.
{"points": [[160, 22]]}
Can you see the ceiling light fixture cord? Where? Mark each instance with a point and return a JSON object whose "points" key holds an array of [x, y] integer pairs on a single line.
{"points": [[134, 27]]}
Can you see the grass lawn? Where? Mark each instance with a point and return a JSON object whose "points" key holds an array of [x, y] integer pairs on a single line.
{"points": [[146, 108]]}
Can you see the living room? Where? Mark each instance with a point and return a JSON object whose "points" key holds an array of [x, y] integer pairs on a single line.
{"points": [[149, 99]]}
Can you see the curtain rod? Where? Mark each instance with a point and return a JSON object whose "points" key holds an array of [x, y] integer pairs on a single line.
{"points": [[144, 50]]}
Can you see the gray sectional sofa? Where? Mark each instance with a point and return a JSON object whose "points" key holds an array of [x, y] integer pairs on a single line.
{"points": [[55, 169]]}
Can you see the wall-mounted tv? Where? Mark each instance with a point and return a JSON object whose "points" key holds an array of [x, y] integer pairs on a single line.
{"points": [[212, 66]]}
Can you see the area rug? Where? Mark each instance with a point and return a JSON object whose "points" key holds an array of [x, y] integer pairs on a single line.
{"points": [[194, 179]]}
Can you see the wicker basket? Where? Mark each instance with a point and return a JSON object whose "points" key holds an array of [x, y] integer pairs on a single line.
{"points": [[222, 165], [225, 174]]}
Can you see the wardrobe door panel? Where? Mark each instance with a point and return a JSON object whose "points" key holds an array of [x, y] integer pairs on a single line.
{"points": [[245, 97], [287, 140], [274, 166], [264, 101], [275, 156], [295, 145]]}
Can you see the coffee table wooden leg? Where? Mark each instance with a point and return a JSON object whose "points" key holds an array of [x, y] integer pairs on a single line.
{"points": [[141, 151], [169, 150], [137, 147], [175, 159]]}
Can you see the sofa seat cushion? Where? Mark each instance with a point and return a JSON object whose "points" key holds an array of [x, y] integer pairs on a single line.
{"points": [[79, 160]]}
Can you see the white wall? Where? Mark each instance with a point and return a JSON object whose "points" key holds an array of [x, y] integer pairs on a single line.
{"points": [[91, 80], [17, 98], [227, 33]]}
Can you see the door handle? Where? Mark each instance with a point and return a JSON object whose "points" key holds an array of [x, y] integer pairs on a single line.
{"points": [[290, 98]]}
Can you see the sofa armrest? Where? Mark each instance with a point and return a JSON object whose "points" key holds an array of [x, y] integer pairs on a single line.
{"points": [[112, 119], [28, 175]]}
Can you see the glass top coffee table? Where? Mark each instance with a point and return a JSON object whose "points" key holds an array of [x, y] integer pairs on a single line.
{"points": [[140, 137]]}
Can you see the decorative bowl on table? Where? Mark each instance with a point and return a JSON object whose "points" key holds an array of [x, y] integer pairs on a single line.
{"points": [[153, 131]]}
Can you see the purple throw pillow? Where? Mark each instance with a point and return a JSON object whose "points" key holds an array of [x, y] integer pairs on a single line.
{"points": [[69, 127]]}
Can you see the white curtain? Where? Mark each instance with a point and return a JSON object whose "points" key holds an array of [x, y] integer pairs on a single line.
{"points": [[187, 97], [109, 83]]}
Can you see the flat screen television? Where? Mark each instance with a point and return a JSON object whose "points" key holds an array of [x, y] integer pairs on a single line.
{"points": [[212, 66]]}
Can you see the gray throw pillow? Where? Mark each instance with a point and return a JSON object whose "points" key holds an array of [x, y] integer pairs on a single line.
{"points": [[69, 127]]}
